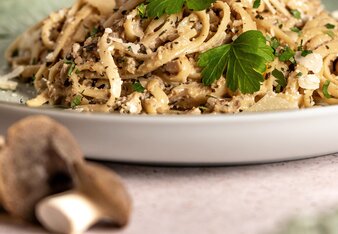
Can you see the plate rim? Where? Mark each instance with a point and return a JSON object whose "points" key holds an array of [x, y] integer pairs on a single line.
{"points": [[225, 118], [189, 135]]}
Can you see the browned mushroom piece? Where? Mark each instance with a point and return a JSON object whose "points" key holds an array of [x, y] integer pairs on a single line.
{"points": [[99, 195], [35, 162]]}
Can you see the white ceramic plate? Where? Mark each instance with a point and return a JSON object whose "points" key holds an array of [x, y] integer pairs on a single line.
{"points": [[226, 139]]}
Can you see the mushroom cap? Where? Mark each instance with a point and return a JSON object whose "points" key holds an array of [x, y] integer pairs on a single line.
{"points": [[105, 188], [36, 162]]}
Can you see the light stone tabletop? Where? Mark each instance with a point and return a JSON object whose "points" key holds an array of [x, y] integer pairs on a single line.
{"points": [[254, 199]]}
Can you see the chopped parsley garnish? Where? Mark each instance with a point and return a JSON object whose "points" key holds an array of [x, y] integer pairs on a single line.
{"points": [[296, 14], [274, 43], [296, 30], [280, 79], [245, 60], [157, 8], [76, 101], [141, 9], [330, 33], [326, 89], [137, 87], [287, 55], [303, 51], [306, 53], [199, 5], [257, 4], [71, 67], [330, 26], [299, 74]]}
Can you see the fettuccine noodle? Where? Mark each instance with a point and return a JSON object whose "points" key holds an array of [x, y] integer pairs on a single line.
{"points": [[91, 55]]}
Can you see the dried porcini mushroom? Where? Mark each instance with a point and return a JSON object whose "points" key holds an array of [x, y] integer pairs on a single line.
{"points": [[35, 163], [39, 162], [98, 195]]}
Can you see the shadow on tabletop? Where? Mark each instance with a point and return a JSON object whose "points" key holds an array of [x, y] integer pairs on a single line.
{"points": [[140, 170]]}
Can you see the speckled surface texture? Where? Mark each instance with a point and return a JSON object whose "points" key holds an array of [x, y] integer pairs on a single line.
{"points": [[238, 200]]}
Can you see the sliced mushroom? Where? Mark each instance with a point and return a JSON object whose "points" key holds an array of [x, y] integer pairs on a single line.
{"points": [[35, 162], [99, 195]]}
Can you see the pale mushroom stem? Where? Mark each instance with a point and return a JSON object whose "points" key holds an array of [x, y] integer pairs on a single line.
{"points": [[69, 212]]}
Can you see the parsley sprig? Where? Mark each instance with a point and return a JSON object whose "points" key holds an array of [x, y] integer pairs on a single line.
{"points": [[287, 54], [157, 8], [245, 60], [296, 14]]}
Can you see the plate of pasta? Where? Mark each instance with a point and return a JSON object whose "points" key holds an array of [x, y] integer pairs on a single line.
{"points": [[176, 81]]}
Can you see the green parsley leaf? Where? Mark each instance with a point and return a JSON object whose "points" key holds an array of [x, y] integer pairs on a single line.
{"points": [[141, 9], [306, 53], [330, 26], [296, 14], [198, 5], [244, 60], [326, 89], [157, 8], [299, 74], [274, 43], [280, 78], [296, 30], [287, 54], [257, 4], [137, 87]]}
